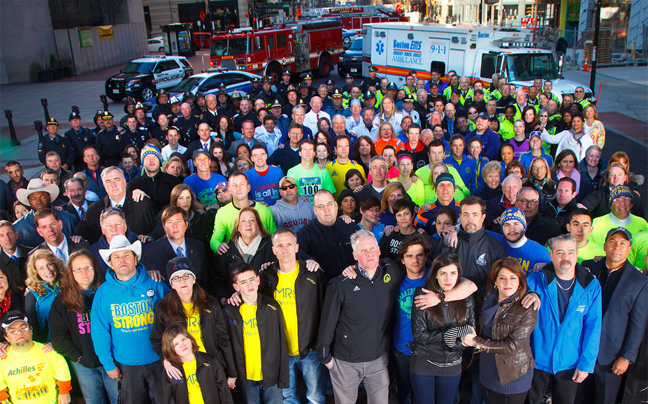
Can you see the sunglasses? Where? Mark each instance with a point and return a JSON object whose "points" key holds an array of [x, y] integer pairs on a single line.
{"points": [[287, 187]]}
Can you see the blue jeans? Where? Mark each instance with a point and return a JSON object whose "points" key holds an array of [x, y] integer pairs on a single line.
{"points": [[95, 384], [311, 370], [255, 391], [434, 389]]}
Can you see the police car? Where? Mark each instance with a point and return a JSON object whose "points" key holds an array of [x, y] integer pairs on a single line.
{"points": [[209, 83], [141, 78]]}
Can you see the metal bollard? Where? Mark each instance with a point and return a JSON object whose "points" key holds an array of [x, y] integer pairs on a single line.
{"points": [[44, 104], [104, 101], [38, 125], [12, 130]]}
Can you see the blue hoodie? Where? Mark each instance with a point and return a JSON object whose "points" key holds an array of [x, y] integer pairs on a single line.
{"points": [[122, 318]]}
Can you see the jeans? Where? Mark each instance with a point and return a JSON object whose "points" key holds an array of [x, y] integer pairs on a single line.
{"points": [[255, 391], [347, 376], [563, 390], [95, 384], [401, 366], [430, 389], [311, 370]]}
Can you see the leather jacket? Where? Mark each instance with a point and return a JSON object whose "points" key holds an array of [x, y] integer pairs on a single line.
{"points": [[428, 336], [512, 328]]}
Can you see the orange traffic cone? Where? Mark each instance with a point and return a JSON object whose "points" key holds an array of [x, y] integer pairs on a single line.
{"points": [[585, 66]]}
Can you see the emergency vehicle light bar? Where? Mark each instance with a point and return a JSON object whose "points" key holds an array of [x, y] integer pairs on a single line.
{"points": [[507, 44]]}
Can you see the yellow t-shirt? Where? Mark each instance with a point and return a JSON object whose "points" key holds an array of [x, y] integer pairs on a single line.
{"points": [[251, 342], [193, 324], [338, 174], [31, 376], [285, 296], [589, 251], [193, 387]]}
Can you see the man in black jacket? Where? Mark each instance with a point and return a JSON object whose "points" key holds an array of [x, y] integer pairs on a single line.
{"points": [[261, 372], [140, 216], [356, 325], [175, 244], [624, 318], [13, 256], [300, 294], [561, 207], [154, 182], [326, 239]]}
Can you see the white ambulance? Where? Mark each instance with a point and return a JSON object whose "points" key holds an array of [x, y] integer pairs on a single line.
{"points": [[476, 52]]}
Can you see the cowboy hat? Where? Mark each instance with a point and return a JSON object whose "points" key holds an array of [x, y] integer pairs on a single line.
{"points": [[36, 185], [121, 243]]}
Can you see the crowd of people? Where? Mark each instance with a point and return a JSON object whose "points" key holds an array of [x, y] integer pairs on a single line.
{"points": [[442, 241]]}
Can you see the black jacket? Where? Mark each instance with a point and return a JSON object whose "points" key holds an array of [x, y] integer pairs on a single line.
{"points": [[216, 340], [309, 298], [59, 144], [285, 157], [110, 145], [140, 217], [158, 188], [541, 229], [330, 246], [70, 333], [18, 271], [72, 246], [233, 257], [357, 318], [210, 377], [156, 255], [477, 253], [624, 321], [429, 343], [274, 357], [562, 218]]}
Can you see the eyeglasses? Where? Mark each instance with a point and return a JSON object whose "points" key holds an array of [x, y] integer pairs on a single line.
{"points": [[326, 206], [529, 201], [287, 187], [84, 269], [579, 91], [20, 330], [181, 277]]}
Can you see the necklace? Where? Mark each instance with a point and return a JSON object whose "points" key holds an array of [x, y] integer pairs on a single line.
{"points": [[570, 286]]}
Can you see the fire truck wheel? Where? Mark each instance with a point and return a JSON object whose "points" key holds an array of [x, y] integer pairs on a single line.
{"points": [[274, 71], [324, 69]]}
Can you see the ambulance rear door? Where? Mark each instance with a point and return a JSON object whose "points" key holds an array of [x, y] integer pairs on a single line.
{"points": [[437, 54]]}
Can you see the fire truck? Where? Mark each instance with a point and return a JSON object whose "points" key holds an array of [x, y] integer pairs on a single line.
{"points": [[353, 18], [298, 47]]}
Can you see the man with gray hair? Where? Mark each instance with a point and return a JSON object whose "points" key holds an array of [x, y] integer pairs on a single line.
{"points": [[113, 223], [140, 215], [357, 313], [367, 127], [566, 340]]}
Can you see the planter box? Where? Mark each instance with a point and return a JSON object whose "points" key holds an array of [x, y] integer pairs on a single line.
{"points": [[46, 76]]}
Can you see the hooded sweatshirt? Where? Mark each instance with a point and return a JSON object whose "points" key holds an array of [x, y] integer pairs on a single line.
{"points": [[122, 318]]}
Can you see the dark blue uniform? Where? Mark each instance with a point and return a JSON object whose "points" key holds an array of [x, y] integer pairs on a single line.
{"points": [[79, 140], [188, 129], [111, 145], [59, 144], [139, 137]]}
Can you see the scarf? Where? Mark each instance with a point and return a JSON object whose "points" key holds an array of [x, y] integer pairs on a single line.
{"points": [[248, 250], [6, 302], [538, 184]]}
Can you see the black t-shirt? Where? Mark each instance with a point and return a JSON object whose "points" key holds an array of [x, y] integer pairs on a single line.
{"points": [[565, 290], [608, 282]]}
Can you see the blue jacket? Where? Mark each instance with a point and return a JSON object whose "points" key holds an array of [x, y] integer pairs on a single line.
{"points": [[490, 141], [467, 170], [122, 318], [574, 343]]}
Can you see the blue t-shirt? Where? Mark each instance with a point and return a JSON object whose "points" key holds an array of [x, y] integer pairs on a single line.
{"points": [[378, 230], [265, 188], [205, 190], [403, 329], [564, 295], [528, 255]]}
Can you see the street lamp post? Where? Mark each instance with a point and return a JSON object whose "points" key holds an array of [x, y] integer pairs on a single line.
{"points": [[597, 27]]}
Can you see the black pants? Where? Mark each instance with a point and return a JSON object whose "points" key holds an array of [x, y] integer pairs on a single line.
{"points": [[491, 397], [563, 389], [600, 388], [140, 383]]}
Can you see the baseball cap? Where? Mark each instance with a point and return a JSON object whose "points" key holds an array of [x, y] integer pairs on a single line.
{"points": [[13, 316], [619, 229]]}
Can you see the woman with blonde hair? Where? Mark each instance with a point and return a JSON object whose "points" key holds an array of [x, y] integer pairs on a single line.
{"points": [[539, 177], [44, 271], [387, 136], [392, 192], [593, 127], [412, 184], [388, 113]]}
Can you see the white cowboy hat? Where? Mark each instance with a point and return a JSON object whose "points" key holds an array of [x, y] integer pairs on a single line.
{"points": [[121, 243], [36, 185]]}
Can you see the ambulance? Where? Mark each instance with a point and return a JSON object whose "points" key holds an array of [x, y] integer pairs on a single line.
{"points": [[473, 51]]}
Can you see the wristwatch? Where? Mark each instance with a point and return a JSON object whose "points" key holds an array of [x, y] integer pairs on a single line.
{"points": [[442, 297]]}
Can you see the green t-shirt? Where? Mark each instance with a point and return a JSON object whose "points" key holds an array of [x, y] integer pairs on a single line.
{"points": [[590, 251], [225, 218], [424, 174], [603, 224], [312, 180], [637, 255]]}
